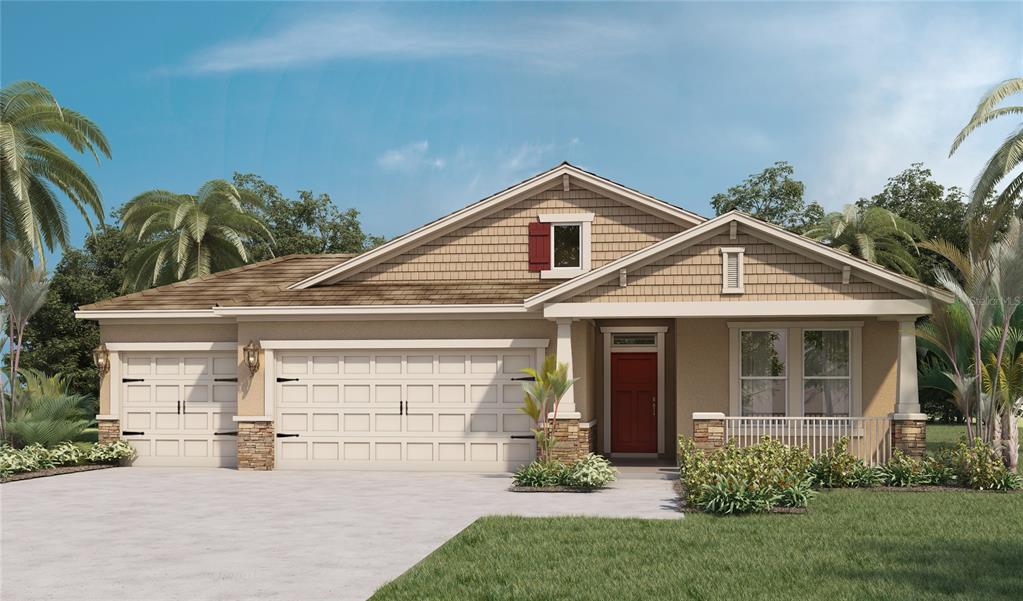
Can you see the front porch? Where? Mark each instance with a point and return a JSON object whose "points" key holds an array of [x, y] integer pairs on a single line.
{"points": [[810, 382]]}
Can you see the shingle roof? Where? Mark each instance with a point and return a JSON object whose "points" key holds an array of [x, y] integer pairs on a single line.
{"points": [[265, 284], [235, 286]]}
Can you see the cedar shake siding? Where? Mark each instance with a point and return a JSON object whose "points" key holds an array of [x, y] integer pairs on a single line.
{"points": [[496, 247], [771, 273]]}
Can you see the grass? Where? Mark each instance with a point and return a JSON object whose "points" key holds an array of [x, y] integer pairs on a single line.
{"points": [[946, 435], [850, 545]]}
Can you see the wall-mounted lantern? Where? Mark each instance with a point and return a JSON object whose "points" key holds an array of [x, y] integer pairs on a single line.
{"points": [[101, 357], [252, 357]]}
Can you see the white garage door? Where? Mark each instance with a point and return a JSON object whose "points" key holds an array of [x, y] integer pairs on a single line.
{"points": [[448, 409], [176, 408]]}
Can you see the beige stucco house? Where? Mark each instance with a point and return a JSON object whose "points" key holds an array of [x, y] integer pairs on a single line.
{"points": [[410, 356]]}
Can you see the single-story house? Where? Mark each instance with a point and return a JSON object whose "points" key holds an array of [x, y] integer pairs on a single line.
{"points": [[410, 355]]}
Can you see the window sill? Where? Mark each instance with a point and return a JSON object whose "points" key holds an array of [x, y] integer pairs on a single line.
{"points": [[561, 273]]}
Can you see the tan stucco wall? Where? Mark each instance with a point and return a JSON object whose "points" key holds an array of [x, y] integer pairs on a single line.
{"points": [[250, 401], [587, 386], [157, 332], [702, 358]]}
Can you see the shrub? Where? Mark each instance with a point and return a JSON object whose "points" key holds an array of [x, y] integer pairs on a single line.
{"points": [[49, 419], [742, 480], [67, 453], [798, 494], [592, 471], [837, 467], [1007, 480], [111, 452], [979, 466], [939, 468], [865, 476], [903, 470]]}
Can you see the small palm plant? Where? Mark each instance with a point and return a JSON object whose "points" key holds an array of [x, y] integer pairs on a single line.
{"points": [[48, 414], [874, 234], [542, 397]]}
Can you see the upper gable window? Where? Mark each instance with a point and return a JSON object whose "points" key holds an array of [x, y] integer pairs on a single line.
{"points": [[732, 278], [565, 253]]}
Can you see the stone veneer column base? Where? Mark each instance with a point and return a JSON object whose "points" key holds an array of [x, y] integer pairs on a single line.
{"points": [[255, 446], [909, 433], [109, 430], [573, 440], [709, 430]]}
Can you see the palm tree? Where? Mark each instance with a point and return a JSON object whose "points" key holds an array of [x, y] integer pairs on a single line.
{"points": [[32, 169], [543, 394], [1008, 156], [185, 236], [871, 233], [23, 290]]}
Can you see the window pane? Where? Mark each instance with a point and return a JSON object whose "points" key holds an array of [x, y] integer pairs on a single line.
{"points": [[633, 339], [566, 245], [825, 398], [826, 353], [763, 398], [763, 353]]}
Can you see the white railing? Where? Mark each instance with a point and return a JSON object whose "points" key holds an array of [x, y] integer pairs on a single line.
{"points": [[869, 437]]}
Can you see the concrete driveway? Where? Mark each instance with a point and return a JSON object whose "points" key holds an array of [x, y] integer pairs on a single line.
{"points": [[168, 534]]}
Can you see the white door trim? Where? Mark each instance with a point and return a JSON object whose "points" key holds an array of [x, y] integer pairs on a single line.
{"points": [[658, 347]]}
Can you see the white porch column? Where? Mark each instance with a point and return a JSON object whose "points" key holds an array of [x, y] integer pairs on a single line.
{"points": [[908, 400], [564, 354]]}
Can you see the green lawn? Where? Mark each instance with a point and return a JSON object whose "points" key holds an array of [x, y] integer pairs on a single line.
{"points": [[946, 435], [851, 545]]}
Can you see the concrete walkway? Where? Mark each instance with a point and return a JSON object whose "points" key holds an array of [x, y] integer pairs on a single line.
{"points": [[189, 534]]}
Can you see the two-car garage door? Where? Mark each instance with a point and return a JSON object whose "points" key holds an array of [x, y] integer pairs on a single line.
{"points": [[446, 409]]}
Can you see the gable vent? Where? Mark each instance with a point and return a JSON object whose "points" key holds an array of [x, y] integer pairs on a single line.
{"points": [[731, 270]]}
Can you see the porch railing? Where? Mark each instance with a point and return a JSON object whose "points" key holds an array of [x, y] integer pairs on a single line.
{"points": [[869, 437]]}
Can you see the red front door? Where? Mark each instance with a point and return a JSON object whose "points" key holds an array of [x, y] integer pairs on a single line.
{"points": [[634, 402]]}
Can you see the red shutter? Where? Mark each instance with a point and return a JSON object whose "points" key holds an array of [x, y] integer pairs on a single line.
{"points": [[539, 246]]}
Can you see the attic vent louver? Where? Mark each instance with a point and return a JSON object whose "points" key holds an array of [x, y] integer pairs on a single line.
{"points": [[731, 270]]}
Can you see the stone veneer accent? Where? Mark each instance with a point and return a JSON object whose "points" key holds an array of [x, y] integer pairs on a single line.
{"points": [[255, 446], [109, 430], [909, 433], [708, 431], [572, 440]]}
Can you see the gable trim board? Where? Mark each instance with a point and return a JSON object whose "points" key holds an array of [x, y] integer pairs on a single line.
{"points": [[708, 229], [835, 308], [480, 209]]}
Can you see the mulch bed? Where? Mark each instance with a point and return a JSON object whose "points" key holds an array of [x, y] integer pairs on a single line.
{"points": [[551, 489], [55, 471]]}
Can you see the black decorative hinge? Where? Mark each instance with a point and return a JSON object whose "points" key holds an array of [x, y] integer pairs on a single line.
{"points": [[133, 379], [131, 433], [518, 436], [225, 379], [283, 435], [232, 433], [287, 379], [524, 379]]}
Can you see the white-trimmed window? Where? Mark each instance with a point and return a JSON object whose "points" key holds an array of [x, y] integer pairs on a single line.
{"points": [[827, 373], [570, 244], [732, 278], [763, 377], [810, 369]]}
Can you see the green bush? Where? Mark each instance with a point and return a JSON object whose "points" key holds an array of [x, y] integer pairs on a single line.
{"points": [[979, 466], [797, 495], [903, 470], [49, 419], [592, 471], [940, 467], [866, 476], [837, 467], [111, 452], [749, 479]]}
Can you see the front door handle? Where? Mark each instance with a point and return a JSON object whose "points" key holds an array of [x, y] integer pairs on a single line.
{"points": [[283, 435], [653, 403]]}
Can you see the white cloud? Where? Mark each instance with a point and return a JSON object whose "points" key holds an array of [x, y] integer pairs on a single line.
{"points": [[549, 42], [410, 158]]}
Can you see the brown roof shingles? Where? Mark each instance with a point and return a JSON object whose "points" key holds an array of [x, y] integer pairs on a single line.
{"points": [[266, 283]]}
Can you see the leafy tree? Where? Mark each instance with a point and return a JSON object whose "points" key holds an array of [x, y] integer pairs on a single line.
{"points": [[871, 233], [1006, 159], [185, 236], [310, 224], [939, 214], [772, 195], [23, 290], [56, 342], [32, 169]]}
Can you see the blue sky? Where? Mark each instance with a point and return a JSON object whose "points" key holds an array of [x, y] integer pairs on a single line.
{"points": [[409, 111]]}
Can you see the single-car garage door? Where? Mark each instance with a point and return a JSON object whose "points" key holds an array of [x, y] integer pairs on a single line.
{"points": [[177, 408], [454, 409]]}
